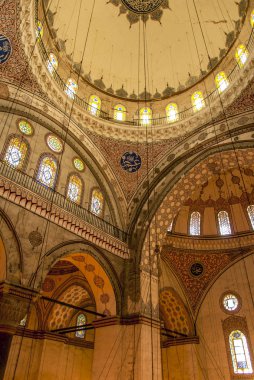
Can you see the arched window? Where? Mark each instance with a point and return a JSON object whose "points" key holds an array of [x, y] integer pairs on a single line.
{"points": [[39, 30], [195, 223], [74, 190], [240, 353], [252, 19], [224, 223], [47, 171], [94, 105], [172, 112], [16, 152], [241, 55], [145, 115], [71, 88], [197, 101], [52, 63], [81, 321], [97, 201], [119, 112], [221, 81], [250, 210]]}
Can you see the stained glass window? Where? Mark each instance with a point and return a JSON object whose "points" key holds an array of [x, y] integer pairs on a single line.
{"points": [[74, 188], [197, 101], [172, 112], [97, 202], [250, 210], [145, 115], [252, 19], [52, 63], [16, 152], [224, 223], [195, 223], [119, 112], [241, 55], [81, 321], [230, 302], [240, 353], [170, 226], [54, 143], [47, 171], [71, 88], [78, 164], [23, 321], [221, 81], [25, 127], [39, 29], [94, 105]]}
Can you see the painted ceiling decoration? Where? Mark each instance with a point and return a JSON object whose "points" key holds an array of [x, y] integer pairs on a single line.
{"points": [[177, 55], [136, 10]]}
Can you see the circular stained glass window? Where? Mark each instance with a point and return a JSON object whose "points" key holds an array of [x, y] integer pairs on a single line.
{"points": [[25, 127], [78, 164], [230, 302], [54, 143]]}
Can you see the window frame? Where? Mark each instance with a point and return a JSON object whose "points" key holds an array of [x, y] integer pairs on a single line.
{"points": [[42, 156], [103, 205], [82, 188], [21, 137]]}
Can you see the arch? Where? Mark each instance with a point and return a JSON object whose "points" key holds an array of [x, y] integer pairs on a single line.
{"points": [[16, 152], [241, 55], [95, 267], [11, 263], [119, 112], [74, 189], [221, 82], [47, 170], [94, 105], [97, 202], [197, 101], [145, 115], [172, 112], [71, 88]]}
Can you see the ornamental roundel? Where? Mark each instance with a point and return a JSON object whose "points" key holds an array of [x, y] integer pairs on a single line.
{"points": [[54, 143], [230, 302], [5, 48], [131, 162], [197, 269], [78, 164], [25, 127], [142, 6]]}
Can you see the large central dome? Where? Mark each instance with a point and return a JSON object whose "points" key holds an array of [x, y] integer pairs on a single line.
{"points": [[114, 42], [142, 6]]}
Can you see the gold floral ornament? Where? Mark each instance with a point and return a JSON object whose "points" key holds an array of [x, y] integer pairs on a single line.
{"points": [[144, 10]]}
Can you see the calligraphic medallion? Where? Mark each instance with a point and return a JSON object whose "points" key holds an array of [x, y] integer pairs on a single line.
{"points": [[131, 162], [142, 6], [5, 48], [196, 269]]}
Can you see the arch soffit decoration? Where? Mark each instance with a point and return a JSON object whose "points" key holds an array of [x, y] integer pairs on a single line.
{"points": [[182, 170], [96, 268], [177, 161]]}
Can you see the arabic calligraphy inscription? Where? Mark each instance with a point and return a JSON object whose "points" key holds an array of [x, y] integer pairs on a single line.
{"points": [[5, 49], [131, 162]]}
